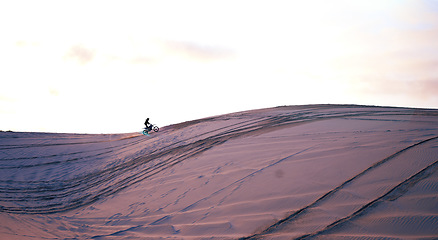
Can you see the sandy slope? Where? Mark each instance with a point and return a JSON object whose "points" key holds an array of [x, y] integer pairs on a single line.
{"points": [[316, 171]]}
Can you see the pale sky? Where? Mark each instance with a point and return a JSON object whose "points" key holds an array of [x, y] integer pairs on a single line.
{"points": [[104, 66]]}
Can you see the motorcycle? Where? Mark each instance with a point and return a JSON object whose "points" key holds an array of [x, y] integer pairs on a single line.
{"points": [[152, 127]]}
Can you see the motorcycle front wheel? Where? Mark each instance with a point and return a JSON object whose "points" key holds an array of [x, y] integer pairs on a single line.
{"points": [[156, 129]]}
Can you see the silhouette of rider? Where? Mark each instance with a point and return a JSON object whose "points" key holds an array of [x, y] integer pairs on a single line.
{"points": [[147, 124]]}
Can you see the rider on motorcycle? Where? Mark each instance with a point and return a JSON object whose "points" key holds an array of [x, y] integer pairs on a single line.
{"points": [[147, 124], [149, 127]]}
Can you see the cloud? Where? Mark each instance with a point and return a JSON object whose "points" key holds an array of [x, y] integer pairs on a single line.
{"points": [[196, 51], [80, 54], [54, 92], [421, 90], [426, 88], [142, 60], [6, 99]]}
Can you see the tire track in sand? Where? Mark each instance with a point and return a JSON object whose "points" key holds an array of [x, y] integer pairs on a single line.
{"points": [[299, 214], [391, 195]]}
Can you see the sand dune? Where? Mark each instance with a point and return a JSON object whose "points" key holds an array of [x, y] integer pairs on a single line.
{"points": [[296, 172]]}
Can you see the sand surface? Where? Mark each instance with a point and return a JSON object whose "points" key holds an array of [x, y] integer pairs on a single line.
{"points": [[298, 172]]}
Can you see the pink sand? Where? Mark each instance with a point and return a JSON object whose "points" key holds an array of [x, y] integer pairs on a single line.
{"points": [[315, 171]]}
